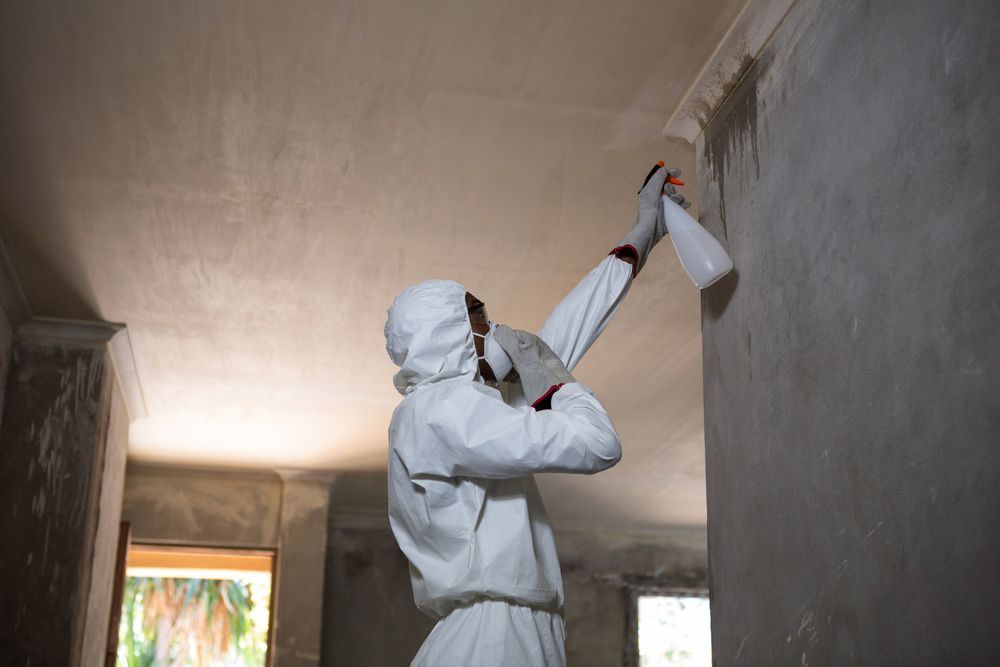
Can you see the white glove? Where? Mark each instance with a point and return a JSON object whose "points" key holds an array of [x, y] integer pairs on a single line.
{"points": [[541, 371], [649, 226]]}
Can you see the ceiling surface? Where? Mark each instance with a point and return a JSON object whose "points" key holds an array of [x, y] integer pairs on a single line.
{"points": [[248, 185]]}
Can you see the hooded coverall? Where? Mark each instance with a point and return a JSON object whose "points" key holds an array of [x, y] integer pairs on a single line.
{"points": [[463, 503]]}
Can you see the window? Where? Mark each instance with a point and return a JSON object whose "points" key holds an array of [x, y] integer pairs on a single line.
{"points": [[670, 627], [195, 607]]}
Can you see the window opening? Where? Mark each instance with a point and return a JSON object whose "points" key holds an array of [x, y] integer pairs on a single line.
{"points": [[674, 629], [195, 608]]}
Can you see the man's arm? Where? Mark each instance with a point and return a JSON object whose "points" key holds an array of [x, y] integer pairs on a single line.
{"points": [[577, 321], [465, 432]]}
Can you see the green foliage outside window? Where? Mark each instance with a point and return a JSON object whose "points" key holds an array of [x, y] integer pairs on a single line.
{"points": [[170, 622]]}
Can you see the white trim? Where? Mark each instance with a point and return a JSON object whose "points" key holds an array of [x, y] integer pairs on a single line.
{"points": [[123, 363], [743, 42]]}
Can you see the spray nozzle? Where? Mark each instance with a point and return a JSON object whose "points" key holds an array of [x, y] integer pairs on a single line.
{"points": [[670, 179]]}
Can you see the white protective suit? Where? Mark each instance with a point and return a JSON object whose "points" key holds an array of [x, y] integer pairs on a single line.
{"points": [[463, 503]]}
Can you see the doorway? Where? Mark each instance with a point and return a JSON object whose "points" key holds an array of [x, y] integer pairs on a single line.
{"points": [[195, 607]]}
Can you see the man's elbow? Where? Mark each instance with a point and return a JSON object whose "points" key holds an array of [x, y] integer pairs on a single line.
{"points": [[605, 449], [594, 428]]}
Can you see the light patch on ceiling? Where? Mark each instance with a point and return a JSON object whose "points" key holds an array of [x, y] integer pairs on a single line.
{"points": [[248, 185]]}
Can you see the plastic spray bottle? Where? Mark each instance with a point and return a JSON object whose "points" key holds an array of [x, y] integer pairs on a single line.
{"points": [[702, 256]]}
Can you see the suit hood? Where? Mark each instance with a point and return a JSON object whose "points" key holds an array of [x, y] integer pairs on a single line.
{"points": [[429, 336]]}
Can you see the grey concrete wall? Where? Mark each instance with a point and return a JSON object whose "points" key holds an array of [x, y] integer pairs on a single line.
{"points": [[370, 618], [358, 594], [851, 393], [169, 505], [599, 570], [368, 612], [52, 453]]}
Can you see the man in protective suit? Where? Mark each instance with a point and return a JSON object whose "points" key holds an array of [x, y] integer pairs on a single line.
{"points": [[485, 408]]}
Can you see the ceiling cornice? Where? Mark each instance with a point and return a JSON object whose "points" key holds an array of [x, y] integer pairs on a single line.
{"points": [[735, 53]]}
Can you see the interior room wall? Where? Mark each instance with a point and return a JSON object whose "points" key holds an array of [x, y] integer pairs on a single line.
{"points": [[6, 341], [200, 507], [850, 361], [370, 617], [298, 612], [62, 439], [105, 547], [14, 312], [249, 510]]}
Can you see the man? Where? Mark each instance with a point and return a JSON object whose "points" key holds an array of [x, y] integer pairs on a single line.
{"points": [[464, 445]]}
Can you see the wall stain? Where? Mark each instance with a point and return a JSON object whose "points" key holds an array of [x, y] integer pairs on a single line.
{"points": [[55, 413], [706, 109], [734, 128], [357, 562]]}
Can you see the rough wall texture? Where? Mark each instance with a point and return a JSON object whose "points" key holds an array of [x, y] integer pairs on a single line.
{"points": [[95, 636], [51, 452], [370, 618], [851, 396], [599, 569], [298, 613], [244, 509], [6, 343], [168, 505]]}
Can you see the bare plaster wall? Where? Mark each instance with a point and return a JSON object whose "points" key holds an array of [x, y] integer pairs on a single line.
{"points": [[6, 342], [52, 442], [108, 527], [14, 312], [170, 505], [245, 509], [599, 568], [298, 611], [370, 618], [368, 612], [852, 408]]}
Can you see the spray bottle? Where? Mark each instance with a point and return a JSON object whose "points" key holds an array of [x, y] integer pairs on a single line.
{"points": [[702, 256]]}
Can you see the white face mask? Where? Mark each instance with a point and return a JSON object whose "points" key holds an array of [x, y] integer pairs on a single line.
{"points": [[493, 354]]}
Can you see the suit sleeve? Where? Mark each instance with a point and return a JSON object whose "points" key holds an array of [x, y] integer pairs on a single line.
{"points": [[577, 321], [471, 434]]}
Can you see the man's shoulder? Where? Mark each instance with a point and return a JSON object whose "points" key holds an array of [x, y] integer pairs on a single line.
{"points": [[448, 390], [440, 403]]}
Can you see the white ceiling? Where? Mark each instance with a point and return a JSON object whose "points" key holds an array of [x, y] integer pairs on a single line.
{"points": [[247, 185]]}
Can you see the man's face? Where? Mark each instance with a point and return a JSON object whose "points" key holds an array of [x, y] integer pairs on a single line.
{"points": [[480, 325]]}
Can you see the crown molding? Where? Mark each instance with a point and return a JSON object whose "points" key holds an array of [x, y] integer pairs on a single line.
{"points": [[82, 331], [745, 39], [123, 363]]}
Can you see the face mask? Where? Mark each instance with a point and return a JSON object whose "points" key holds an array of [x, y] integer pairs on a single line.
{"points": [[494, 355]]}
